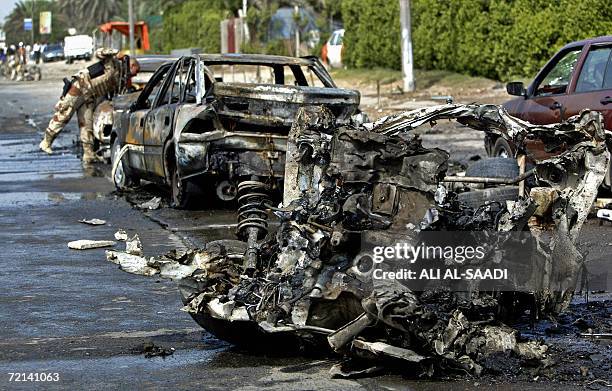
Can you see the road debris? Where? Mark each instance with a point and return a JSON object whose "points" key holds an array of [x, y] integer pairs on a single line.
{"points": [[88, 244], [314, 282], [151, 350], [121, 235], [93, 221], [152, 204], [131, 263], [133, 246]]}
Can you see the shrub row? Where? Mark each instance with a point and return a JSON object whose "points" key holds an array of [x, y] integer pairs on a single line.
{"points": [[193, 23], [499, 39]]}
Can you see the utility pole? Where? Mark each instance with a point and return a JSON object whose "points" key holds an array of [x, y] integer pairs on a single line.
{"points": [[407, 64], [131, 21], [33, 2], [297, 31]]}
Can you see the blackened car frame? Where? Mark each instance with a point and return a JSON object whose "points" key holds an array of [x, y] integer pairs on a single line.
{"points": [[103, 113], [190, 129]]}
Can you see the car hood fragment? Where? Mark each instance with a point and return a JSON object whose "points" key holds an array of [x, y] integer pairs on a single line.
{"points": [[345, 186]]}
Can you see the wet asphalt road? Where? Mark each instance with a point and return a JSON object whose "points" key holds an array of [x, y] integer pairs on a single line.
{"points": [[75, 314]]}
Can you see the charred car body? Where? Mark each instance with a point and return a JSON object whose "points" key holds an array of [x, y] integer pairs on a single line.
{"points": [[188, 127], [103, 113], [313, 282]]}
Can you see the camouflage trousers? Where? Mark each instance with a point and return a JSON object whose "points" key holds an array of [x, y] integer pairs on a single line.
{"points": [[74, 101]]}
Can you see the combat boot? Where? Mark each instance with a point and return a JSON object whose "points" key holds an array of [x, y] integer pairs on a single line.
{"points": [[89, 156], [45, 144]]}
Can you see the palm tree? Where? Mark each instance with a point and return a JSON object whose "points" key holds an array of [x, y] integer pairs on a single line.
{"points": [[69, 8], [84, 15], [95, 12], [13, 24]]}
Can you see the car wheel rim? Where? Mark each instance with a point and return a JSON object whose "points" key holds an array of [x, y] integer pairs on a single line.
{"points": [[119, 172], [119, 175]]}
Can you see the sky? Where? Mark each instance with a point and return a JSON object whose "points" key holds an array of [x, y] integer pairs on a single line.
{"points": [[6, 6]]}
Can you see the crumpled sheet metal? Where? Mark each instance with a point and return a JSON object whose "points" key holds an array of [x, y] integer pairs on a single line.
{"points": [[346, 184]]}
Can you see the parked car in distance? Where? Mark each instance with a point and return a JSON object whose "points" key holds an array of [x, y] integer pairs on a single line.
{"points": [[212, 121], [149, 64], [331, 53], [78, 47], [54, 52], [577, 77]]}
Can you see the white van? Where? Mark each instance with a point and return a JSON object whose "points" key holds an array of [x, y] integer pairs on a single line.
{"points": [[78, 47]]}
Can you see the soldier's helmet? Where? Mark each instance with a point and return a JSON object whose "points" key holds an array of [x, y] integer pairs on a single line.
{"points": [[104, 53]]}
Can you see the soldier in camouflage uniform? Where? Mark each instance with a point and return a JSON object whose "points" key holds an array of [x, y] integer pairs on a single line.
{"points": [[88, 85]]}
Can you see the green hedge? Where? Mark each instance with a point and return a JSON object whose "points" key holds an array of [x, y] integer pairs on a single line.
{"points": [[498, 39], [372, 33], [194, 23]]}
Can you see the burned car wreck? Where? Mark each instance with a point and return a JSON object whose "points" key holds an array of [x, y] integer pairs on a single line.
{"points": [[191, 128], [313, 281]]}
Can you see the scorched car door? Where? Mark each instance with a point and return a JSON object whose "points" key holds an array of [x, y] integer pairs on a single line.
{"points": [[134, 136], [158, 124], [137, 117]]}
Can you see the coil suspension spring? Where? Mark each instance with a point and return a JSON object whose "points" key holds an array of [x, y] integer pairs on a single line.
{"points": [[252, 219]]}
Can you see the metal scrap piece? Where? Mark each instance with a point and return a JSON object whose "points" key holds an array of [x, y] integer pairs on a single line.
{"points": [[372, 184], [133, 246], [93, 221], [121, 235], [131, 263], [382, 348], [152, 204]]}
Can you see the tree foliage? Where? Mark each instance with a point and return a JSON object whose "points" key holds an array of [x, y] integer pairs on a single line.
{"points": [[196, 23], [13, 24], [372, 33], [492, 38]]}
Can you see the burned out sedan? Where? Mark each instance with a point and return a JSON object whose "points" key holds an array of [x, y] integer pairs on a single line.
{"points": [[212, 121], [103, 113]]}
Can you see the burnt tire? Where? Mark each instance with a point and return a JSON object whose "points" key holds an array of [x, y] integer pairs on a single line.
{"points": [[494, 167], [502, 149], [476, 198], [182, 192], [123, 179]]}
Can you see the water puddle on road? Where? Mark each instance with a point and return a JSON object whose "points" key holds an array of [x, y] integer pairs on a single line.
{"points": [[21, 199]]}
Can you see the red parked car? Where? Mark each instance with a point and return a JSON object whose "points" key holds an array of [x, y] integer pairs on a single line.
{"points": [[578, 77]]}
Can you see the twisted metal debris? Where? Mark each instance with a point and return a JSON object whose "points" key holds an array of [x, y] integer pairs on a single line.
{"points": [[312, 283]]}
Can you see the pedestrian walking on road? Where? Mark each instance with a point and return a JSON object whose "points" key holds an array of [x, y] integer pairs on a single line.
{"points": [[36, 49], [103, 79], [21, 62]]}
